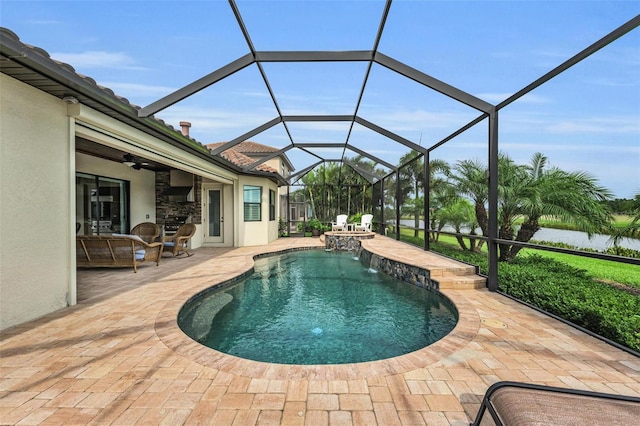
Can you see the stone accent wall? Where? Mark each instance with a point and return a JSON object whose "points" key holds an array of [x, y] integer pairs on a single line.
{"points": [[166, 207], [350, 242], [408, 273]]}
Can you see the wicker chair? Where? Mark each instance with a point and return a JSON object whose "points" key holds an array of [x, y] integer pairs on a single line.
{"points": [[177, 243], [148, 231]]}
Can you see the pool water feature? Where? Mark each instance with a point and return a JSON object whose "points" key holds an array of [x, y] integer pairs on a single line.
{"points": [[316, 307]]}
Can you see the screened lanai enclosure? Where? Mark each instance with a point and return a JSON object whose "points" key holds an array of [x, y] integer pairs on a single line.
{"points": [[418, 113]]}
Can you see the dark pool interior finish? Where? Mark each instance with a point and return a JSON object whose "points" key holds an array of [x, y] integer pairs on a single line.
{"points": [[317, 307]]}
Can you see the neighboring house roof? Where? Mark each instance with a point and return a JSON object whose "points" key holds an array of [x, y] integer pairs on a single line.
{"points": [[242, 160], [35, 67], [253, 150], [247, 147]]}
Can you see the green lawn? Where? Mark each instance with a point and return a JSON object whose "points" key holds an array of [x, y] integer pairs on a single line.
{"points": [[603, 270]]}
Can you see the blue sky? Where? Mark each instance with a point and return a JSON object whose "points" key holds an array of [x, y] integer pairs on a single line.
{"points": [[586, 119]]}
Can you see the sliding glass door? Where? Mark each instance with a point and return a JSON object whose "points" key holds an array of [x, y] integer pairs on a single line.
{"points": [[102, 205]]}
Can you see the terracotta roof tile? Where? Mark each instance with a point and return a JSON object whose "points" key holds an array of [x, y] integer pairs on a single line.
{"points": [[242, 160], [246, 147], [238, 154]]}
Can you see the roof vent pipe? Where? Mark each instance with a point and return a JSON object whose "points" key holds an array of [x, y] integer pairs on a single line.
{"points": [[185, 127]]}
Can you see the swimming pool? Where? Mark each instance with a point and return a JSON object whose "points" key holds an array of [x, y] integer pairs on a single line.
{"points": [[317, 307]]}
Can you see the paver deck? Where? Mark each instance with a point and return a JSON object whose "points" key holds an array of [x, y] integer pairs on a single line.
{"points": [[118, 357]]}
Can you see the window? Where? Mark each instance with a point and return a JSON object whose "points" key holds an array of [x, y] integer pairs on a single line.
{"points": [[252, 203], [272, 204]]}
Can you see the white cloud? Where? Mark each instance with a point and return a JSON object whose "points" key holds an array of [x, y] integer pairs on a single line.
{"points": [[133, 89], [596, 125], [556, 147], [98, 59], [44, 22], [529, 98]]}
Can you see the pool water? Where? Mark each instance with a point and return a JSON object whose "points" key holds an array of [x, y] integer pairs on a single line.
{"points": [[317, 307]]}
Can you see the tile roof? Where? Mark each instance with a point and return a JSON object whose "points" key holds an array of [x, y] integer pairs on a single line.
{"points": [[247, 147], [242, 160], [238, 154]]}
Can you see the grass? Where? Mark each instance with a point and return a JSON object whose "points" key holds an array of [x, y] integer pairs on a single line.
{"points": [[600, 270], [619, 221]]}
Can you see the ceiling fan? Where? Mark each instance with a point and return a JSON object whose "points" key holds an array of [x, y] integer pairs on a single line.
{"points": [[131, 161]]}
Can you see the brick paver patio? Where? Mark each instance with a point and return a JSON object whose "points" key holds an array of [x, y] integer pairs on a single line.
{"points": [[118, 357]]}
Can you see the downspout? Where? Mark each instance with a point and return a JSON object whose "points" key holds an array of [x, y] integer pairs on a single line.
{"points": [[73, 109]]}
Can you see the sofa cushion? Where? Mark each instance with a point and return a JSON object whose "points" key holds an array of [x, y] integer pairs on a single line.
{"points": [[135, 237], [140, 254]]}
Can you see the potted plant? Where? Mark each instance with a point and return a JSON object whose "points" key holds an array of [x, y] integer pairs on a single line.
{"points": [[316, 226]]}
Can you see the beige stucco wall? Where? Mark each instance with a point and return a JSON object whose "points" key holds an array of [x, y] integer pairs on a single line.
{"points": [[36, 161], [256, 233], [142, 184]]}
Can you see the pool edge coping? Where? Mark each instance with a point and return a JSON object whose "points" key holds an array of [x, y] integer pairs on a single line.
{"points": [[167, 329]]}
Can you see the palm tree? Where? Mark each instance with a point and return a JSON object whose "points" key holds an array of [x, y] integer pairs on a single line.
{"points": [[531, 192], [630, 231], [573, 197], [411, 178], [460, 214], [469, 179]]}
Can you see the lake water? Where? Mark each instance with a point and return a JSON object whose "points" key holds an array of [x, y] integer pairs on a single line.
{"points": [[574, 238]]}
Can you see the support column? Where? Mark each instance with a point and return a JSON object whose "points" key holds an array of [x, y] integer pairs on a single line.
{"points": [[493, 200], [397, 205], [427, 206]]}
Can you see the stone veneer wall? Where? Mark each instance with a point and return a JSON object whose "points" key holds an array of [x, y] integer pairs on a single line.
{"points": [[166, 208], [349, 242], [408, 273]]}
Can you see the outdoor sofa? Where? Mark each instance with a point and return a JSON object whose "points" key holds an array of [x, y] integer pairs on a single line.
{"points": [[515, 403], [115, 251]]}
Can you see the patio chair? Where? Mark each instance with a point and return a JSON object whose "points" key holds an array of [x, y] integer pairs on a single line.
{"points": [[148, 231], [365, 223], [177, 243], [525, 403], [340, 224]]}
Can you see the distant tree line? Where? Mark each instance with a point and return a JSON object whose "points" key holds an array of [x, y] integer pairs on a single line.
{"points": [[623, 205]]}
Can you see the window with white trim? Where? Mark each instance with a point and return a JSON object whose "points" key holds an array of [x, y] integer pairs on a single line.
{"points": [[252, 203]]}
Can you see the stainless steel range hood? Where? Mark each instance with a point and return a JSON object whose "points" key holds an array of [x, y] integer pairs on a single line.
{"points": [[180, 193]]}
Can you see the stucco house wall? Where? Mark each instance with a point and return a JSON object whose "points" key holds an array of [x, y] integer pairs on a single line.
{"points": [[264, 231], [38, 165], [37, 268]]}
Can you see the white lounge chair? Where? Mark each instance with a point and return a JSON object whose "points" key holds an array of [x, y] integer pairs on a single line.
{"points": [[340, 224], [365, 223]]}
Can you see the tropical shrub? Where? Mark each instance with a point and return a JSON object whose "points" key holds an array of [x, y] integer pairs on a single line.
{"points": [[565, 291]]}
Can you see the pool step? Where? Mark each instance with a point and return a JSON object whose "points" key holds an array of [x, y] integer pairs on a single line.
{"points": [[461, 282], [449, 273], [454, 275]]}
